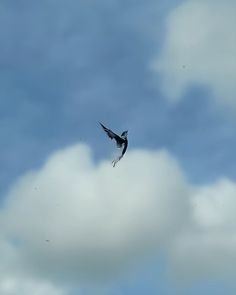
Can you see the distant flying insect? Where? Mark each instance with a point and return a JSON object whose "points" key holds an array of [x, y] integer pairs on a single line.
{"points": [[121, 141]]}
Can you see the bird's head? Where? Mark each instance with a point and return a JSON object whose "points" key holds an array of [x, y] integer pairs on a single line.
{"points": [[124, 134]]}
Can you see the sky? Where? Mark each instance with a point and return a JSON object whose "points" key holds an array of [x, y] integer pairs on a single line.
{"points": [[163, 220]]}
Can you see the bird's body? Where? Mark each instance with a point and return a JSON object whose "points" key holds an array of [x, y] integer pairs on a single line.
{"points": [[121, 141]]}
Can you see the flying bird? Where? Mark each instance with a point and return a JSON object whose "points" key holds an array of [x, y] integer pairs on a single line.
{"points": [[121, 141]]}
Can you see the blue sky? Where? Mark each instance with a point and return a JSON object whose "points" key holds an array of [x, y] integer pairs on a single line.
{"points": [[162, 221]]}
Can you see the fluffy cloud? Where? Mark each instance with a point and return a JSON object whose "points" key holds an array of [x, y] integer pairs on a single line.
{"points": [[14, 280], [208, 246], [74, 219], [199, 49]]}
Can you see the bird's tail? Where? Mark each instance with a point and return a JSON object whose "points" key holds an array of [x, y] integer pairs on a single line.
{"points": [[114, 162]]}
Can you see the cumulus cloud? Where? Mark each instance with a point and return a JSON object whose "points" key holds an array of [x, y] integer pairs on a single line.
{"points": [[14, 280], [74, 219], [208, 246], [199, 49]]}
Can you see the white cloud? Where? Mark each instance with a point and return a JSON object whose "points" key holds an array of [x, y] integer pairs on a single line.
{"points": [[215, 206], [208, 246], [200, 49], [14, 280], [74, 219]]}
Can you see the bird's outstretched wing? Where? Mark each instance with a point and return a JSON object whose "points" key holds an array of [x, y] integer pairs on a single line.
{"points": [[112, 135]]}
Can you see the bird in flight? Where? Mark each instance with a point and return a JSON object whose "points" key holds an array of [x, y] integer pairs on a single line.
{"points": [[121, 141]]}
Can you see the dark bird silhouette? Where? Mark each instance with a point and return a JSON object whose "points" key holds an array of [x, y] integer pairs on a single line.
{"points": [[121, 141]]}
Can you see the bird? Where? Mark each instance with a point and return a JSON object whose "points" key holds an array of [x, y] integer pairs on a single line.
{"points": [[121, 141]]}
